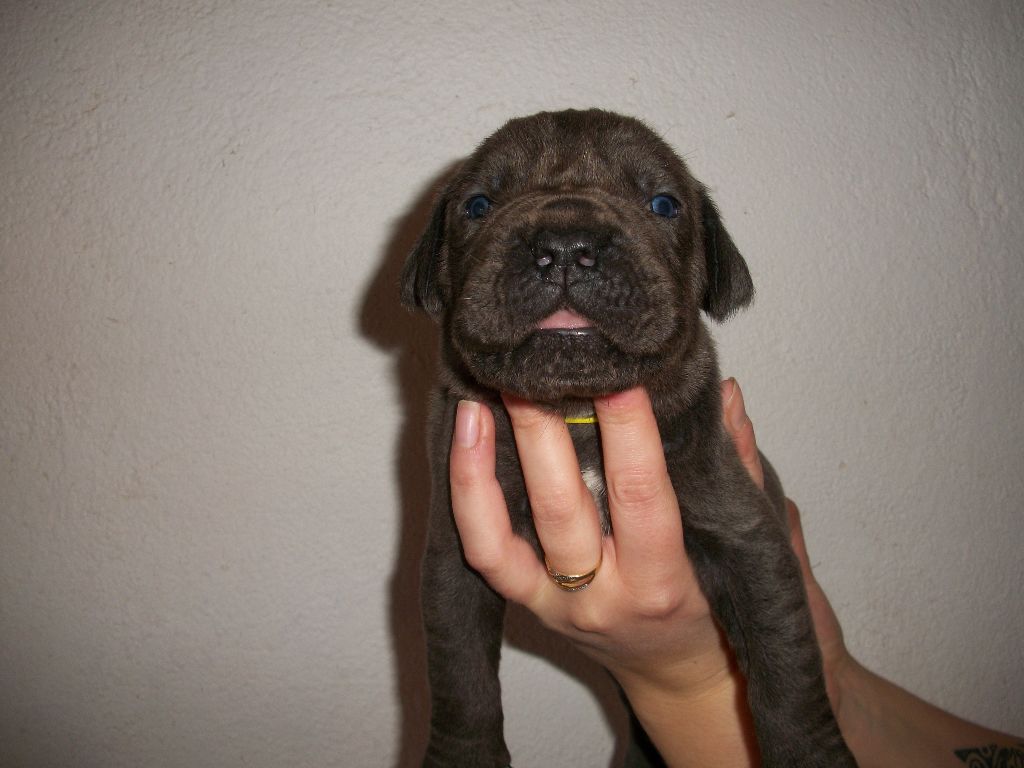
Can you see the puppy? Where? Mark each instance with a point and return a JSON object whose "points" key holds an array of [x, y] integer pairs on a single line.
{"points": [[569, 257]]}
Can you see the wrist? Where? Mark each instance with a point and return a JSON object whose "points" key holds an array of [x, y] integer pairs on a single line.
{"points": [[695, 715]]}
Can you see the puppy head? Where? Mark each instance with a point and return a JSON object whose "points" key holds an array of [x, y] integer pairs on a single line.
{"points": [[570, 256]]}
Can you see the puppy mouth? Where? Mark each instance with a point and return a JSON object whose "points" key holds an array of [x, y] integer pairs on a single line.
{"points": [[565, 322]]}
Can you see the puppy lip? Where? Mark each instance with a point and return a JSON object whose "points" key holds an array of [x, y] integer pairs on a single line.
{"points": [[588, 331], [565, 320]]}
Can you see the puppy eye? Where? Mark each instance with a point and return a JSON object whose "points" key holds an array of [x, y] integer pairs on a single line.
{"points": [[665, 205], [477, 206]]}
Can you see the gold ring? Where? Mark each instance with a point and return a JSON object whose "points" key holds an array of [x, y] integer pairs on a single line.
{"points": [[573, 582]]}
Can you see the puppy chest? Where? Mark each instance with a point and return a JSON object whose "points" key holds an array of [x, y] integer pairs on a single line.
{"points": [[586, 439]]}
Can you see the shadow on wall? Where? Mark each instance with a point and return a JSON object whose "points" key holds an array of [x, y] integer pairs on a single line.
{"points": [[413, 339]]}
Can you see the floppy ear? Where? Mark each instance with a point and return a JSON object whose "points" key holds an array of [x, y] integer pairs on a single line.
{"points": [[729, 286], [423, 276]]}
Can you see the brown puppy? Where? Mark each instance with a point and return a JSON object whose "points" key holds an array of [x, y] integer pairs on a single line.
{"points": [[571, 256]]}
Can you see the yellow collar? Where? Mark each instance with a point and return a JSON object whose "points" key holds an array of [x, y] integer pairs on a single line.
{"points": [[591, 419]]}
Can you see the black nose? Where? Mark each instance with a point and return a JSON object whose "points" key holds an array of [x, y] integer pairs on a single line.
{"points": [[564, 248]]}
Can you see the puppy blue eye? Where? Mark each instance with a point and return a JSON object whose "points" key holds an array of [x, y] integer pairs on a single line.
{"points": [[477, 206], [665, 205]]}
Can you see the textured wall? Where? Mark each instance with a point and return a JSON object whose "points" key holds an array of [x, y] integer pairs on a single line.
{"points": [[211, 469]]}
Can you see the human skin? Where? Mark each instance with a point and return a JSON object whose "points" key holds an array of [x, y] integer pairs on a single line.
{"points": [[644, 617]]}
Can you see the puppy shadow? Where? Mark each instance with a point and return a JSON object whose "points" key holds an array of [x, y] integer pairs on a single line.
{"points": [[412, 338]]}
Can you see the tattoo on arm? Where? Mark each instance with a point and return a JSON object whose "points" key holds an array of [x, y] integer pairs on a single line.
{"points": [[992, 756]]}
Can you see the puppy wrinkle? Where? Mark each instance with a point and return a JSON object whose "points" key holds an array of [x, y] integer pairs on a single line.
{"points": [[573, 203]]}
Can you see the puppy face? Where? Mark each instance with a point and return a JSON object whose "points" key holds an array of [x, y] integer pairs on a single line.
{"points": [[570, 256]]}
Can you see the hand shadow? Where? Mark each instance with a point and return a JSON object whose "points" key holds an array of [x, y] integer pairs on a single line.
{"points": [[413, 339]]}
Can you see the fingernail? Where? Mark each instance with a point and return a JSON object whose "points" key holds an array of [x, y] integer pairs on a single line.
{"points": [[467, 423], [737, 412]]}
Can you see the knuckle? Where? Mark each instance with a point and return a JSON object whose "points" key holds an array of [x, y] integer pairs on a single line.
{"points": [[466, 470], [475, 555], [462, 475], [636, 486], [554, 506], [484, 559], [659, 602]]}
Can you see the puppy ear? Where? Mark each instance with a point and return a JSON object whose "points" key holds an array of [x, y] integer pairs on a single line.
{"points": [[729, 286], [423, 274]]}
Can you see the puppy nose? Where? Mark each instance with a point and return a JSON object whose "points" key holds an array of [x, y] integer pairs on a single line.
{"points": [[564, 248]]}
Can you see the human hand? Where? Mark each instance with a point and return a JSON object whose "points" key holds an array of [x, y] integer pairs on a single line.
{"points": [[643, 616]]}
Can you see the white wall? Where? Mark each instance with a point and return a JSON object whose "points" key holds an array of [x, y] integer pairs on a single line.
{"points": [[211, 473]]}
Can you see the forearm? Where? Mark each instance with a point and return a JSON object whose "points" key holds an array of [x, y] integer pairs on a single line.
{"points": [[885, 726]]}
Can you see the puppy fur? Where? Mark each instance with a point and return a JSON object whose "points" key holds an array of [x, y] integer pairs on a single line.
{"points": [[568, 222]]}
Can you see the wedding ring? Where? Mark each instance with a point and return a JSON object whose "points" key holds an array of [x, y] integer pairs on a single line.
{"points": [[573, 582]]}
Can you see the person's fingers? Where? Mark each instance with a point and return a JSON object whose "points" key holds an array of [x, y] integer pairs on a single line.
{"points": [[505, 561], [741, 430], [564, 512], [646, 521]]}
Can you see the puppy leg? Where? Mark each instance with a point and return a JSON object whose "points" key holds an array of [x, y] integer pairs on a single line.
{"points": [[463, 618], [751, 578]]}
